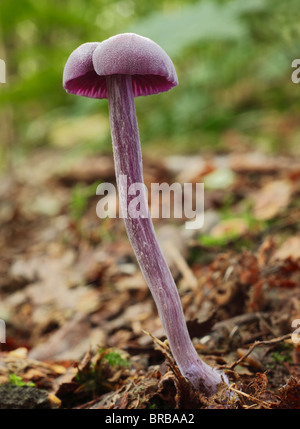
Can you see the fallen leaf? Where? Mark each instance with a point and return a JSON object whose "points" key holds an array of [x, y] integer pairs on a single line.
{"points": [[272, 199], [252, 360], [266, 251], [289, 249], [230, 228]]}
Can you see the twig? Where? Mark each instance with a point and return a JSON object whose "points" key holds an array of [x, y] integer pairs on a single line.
{"points": [[165, 350], [254, 345], [159, 343]]}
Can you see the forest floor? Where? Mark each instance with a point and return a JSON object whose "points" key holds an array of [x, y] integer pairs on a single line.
{"points": [[82, 329]]}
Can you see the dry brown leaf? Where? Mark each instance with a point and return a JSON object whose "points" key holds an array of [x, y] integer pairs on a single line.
{"points": [[272, 199], [266, 251], [289, 249], [230, 228], [252, 360]]}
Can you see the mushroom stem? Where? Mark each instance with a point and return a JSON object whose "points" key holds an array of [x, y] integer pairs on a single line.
{"points": [[140, 230]]}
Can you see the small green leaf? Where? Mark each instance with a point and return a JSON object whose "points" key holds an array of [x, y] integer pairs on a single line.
{"points": [[16, 380]]}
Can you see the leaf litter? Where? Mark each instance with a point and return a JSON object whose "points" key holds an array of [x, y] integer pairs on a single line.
{"points": [[82, 330]]}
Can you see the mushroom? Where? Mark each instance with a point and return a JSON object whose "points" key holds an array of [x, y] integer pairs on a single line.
{"points": [[121, 68]]}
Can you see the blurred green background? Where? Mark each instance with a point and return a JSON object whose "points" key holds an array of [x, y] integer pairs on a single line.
{"points": [[233, 59]]}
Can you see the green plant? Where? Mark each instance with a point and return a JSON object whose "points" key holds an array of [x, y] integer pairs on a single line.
{"points": [[283, 354], [97, 375], [17, 380], [115, 359]]}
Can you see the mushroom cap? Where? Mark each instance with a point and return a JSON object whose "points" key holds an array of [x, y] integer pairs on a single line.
{"points": [[149, 65]]}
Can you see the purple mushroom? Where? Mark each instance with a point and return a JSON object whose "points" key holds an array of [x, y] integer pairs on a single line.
{"points": [[121, 68]]}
